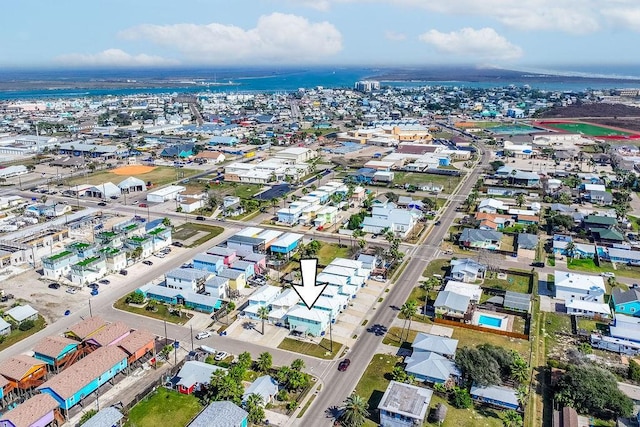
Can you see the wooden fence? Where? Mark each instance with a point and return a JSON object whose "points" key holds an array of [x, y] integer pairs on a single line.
{"points": [[480, 328]]}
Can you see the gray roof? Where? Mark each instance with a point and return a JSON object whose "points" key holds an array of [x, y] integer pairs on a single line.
{"points": [[194, 372], [230, 273], [21, 312], [265, 386], [208, 259], [604, 195], [623, 297], [517, 301], [108, 417], [430, 364], [220, 414], [254, 257], [216, 281], [247, 240], [466, 265], [527, 241], [452, 301], [435, 344], [407, 400], [242, 265], [187, 274], [219, 250], [474, 235], [497, 393], [558, 207]]}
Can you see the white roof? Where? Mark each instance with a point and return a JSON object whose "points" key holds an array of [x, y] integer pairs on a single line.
{"points": [[287, 298], [107, 189], [344, 262], [21, 312], [583, 282], [331, 278], [474, 292], [250, 232], [132, 181], [265, 293], [269, 235], [168, 190], [313, 314], [339, 270], [595, 307], [288, 239]]}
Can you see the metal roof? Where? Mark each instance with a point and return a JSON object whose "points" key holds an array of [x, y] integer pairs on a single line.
{"points": [[517, 301]]}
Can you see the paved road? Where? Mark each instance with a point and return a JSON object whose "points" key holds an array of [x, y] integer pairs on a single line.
{"points": [[339, 385]]}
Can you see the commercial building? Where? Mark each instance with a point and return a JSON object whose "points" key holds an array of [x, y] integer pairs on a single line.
{"points": [[165, 194]]}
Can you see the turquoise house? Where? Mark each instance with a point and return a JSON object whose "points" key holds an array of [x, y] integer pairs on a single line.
{"points": [[626, 302], [312, 322], [79, 380], [54, 350]]}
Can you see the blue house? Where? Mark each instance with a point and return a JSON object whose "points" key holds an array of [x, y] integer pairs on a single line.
{"points": [[221, 414], [210, 263], [54, 349], [502, 397], [229, 141], [191, 300], [362, 176], [247, 267], [182, 151], [626, 302], [431, 367], [286, 244], [78, 381]]}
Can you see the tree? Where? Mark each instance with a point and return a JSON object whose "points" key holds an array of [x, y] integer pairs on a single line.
{"points": [[570, 248], [264, 362], [486, 364], [253, 405], [399, 374], [244, 360], [593, 390], [297, 365], [354, 411], [166, 222], [511, 418], [460, 398], [224, 387], [520, 200], [263, 314], [230, 307], [87, 416], [408, 310]]}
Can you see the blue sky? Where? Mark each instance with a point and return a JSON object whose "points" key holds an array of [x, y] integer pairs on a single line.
{"points": [[509, 33]]}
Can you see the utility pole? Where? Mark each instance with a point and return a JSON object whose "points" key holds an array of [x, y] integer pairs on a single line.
{"points": [[165, 333], [191, 337], [90, 312], [331, 334]]}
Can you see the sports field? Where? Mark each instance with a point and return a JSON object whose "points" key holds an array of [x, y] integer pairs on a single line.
{"points": [[158, 176], [587, 129]]}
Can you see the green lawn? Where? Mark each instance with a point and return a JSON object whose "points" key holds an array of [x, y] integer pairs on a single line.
{"points": [[472, 417], [393, 337], [330, 251], [18, 335], [161, 175], [437, 266], [311, 349], [586, 128], [244, 191], [591, 325], [513, 282], [583, 264], [164, 408], [448, 183], [554, 323], [471, 338], [190, 229], [374, 382], [588, 265], [162, 313]]}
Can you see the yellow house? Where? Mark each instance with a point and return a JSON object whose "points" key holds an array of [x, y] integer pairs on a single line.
{"points": [[237, 279]]}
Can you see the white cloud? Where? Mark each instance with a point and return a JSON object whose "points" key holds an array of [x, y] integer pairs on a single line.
{"points": [[570, 16], [394, 36], [113, 58], [322, 5], [625, 17], [484, 43], [276, 37]]}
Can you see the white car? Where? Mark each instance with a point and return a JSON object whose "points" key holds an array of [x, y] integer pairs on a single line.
{"points": [[221, 355], [202, 335], [72, 291], [607, 274]]}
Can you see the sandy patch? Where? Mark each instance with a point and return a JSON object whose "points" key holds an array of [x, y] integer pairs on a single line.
{"points": [[133, 170]]}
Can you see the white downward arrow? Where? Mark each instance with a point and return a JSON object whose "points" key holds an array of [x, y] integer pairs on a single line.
{"points": [[309, 292]]}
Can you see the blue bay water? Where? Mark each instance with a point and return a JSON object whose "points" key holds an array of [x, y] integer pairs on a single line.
{"points": [[250, 80]]}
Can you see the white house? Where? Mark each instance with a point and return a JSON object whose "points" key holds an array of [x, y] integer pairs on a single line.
{"points": [[572, 286], [187, 279], [20, 313], [491, 206], [474, 292], [588, 308]]}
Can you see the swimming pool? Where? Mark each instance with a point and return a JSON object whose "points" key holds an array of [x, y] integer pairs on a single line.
{"points": [[494, 322]]}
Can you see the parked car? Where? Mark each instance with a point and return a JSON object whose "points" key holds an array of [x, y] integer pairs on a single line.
{"points": [[143, 205], [94, 286], [72, 290], [147, 262], [437, 222], [104, 281], [537, 264], [102, 204], [124, 272], [221, 355], [94, 292], [54, 285], [201, 218], [608, 274], [177, 244], [202, 335], [344, 365]]}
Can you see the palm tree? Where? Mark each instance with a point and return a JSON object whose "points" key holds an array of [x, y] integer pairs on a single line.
{"points": [[263, 314], [230, 307], [520, 200], [511, 418], [408, 310], [264, 362], [522, 393], [297, 365], [253, 405], [570, 248], [354, 411], [519, 370]]}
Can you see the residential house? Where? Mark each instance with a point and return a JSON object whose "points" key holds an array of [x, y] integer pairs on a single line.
{"points": [[106, 417], [626, 302], [369, 262], [194, 376], [259, 261], [431, 367], [591, 222], [492, 206], [210, 263], [281, 305], [312, 322], [443, 346], [55, 350], [88, 270], [217, 287], [619, 255], [248, 268], [178, 151], [5, 327], [23, 372], [527, 245], [500, 396], [480, 239], [399, 221], [190, 279], [227, 254], [573, 286], [262, 297], [237, 279], [590, 309], [59, 264], [474, 292], [600, 197], [487, 221], [451, 304], [404, 405], [21, 313], [560, 242], [286, 244], [467, 270], [265, 387], [86, 328], [38, 410], [221, 414]]}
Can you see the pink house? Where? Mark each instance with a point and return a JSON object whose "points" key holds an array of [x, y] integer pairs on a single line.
{"points": [[228, 254], [109, 335], [259, 260]]}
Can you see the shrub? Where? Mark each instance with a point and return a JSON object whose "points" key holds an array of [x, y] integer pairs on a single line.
{"points": [[26, 325], [461, 399], [134, 298]]}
